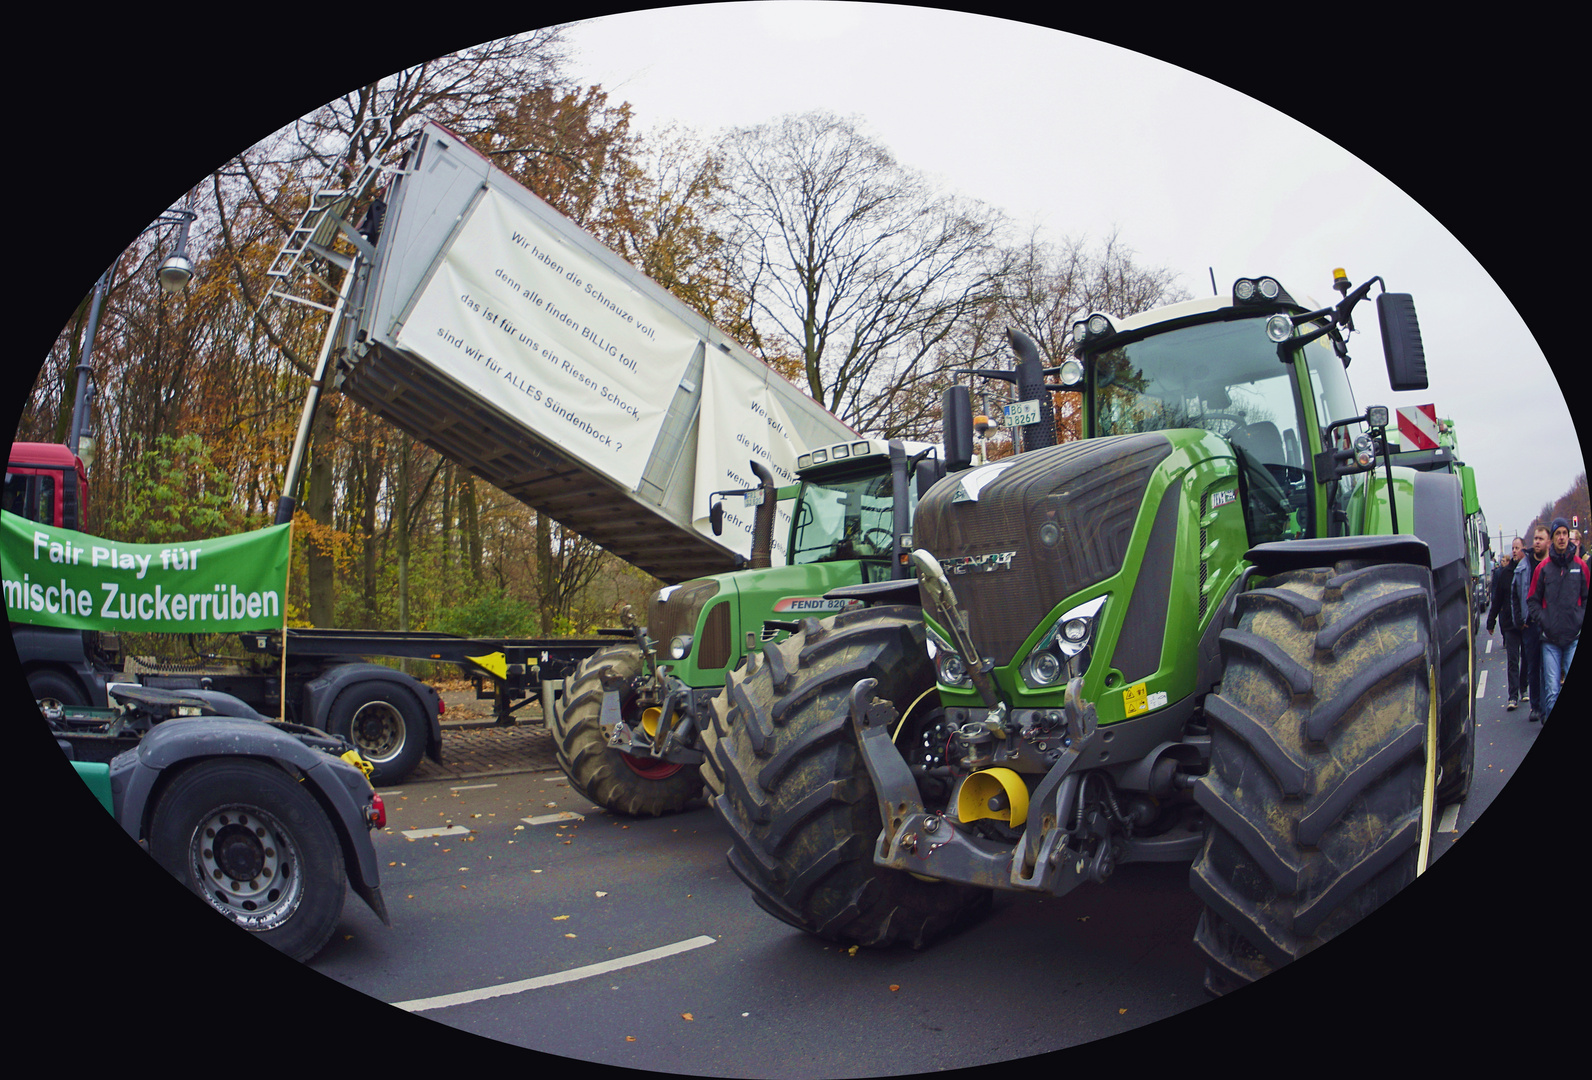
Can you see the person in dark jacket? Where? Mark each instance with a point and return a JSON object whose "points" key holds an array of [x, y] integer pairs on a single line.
{"points": [[1557, 599], [1530, 635], [1500, 613]]}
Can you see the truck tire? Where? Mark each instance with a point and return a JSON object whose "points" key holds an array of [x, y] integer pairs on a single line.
{"points": [[386, 725], [1314, 800], [616, 781], [52, 689], [238, 816], [790, 782]]}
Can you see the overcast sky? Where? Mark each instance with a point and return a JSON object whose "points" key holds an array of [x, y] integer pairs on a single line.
{"points": [[1075, 135], [1082, 137]]}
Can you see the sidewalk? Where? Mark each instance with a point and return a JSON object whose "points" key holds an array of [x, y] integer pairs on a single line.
{"points": [[473, 746]]}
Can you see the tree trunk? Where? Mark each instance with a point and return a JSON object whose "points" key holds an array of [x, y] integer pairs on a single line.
{"points": [[321, 565], [401, 513]]}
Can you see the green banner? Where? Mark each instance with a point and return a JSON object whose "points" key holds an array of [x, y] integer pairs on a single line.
{"points": [[57, 577]]}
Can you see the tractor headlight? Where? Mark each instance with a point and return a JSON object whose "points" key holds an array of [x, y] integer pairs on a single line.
{"points": [[949, 667], [1279, 328], [1071, 372], [1064, 651], [680, 647]]}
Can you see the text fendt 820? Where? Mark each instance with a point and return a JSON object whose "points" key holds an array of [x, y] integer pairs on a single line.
{"points": [[627, 734], [1218, 628]]}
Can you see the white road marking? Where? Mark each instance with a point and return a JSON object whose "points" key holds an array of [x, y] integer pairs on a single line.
{"points": [[464, 997], [471, 787], [548, 819], [422, 834], [1481, 685], [1450, 822], [1489, 644]]}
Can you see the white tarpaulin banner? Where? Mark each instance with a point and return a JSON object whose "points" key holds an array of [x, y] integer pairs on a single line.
{"points": [[523, 319], [751, 425]]}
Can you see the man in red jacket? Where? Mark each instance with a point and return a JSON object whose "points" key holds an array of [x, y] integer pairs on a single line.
{"points": [[1557, 602]]}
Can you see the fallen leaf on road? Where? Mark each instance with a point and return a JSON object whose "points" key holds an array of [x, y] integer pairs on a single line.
{"points": [[602, 894], [630, 1038], [687, 1016], [1121, 1011], [569, 935], [852, 951], [894, 987]]}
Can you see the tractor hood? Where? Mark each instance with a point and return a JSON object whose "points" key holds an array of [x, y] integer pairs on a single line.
{"points": [[1020, 535]]}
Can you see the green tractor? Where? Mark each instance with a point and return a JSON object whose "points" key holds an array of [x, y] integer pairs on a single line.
{"points": [[1222, 629], [627, 732]]}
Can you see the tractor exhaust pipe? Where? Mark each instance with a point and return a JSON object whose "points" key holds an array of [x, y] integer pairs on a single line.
{"points": [[763, 520]]}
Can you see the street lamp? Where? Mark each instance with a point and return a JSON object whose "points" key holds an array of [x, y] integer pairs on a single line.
{"points": [[173, 275]]}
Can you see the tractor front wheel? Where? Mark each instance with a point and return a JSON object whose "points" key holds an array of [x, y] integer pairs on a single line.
{"points": [[624, 783], [790, 782], [1315, 802]]}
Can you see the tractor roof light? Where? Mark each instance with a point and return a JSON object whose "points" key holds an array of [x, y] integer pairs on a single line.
{"points": [[1261, 290], [1279, 328], [1095, 326]]}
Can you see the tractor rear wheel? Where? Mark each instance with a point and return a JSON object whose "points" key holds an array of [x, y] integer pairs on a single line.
{"points": [[788, 776], [1315, 799], [624, 783]]}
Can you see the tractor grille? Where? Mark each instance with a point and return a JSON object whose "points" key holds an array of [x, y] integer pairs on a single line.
{"points": [[1051, 522], [678, 614]]}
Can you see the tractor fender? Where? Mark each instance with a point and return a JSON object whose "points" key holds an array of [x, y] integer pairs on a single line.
{"points": [[322, 691], [136, 779]]}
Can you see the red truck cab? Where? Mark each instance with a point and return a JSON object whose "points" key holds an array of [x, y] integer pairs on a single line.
{"points": [[46, 482]]}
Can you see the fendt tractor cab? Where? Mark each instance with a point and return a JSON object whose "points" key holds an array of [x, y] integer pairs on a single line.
{"points": [[1211, 630], [627, 735]]}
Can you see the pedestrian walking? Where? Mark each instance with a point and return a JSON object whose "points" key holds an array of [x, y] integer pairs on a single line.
{"points": [[1530, 633], [1500, 614], [1557, 599]]}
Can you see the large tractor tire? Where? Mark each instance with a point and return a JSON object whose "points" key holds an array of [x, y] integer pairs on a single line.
{"points": [[783, 762], [1315, 799], [1456, 710], [257, 846], [616, 781]]}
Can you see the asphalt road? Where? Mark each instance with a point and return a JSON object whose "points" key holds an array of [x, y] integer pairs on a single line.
{"points": [[630, 943]]}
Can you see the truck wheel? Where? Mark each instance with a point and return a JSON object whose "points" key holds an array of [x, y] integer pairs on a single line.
{"points": [[1314, 798], [386, 725], [623, 783], [257, 846], [52, 690], [791, 784]]}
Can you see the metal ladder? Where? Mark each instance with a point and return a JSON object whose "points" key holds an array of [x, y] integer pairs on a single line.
{"points": [[329, 205]]}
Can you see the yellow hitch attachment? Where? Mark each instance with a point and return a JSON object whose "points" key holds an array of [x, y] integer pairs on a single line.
{"points": [[354, 758], [649, 721], [993, 793]]}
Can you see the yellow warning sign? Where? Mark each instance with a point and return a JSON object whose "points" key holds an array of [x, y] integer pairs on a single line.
{"points": [[1135, 699]]}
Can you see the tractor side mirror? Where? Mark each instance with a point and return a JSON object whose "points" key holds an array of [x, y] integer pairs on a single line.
{"points": [[1401, 341], [956, 417]]}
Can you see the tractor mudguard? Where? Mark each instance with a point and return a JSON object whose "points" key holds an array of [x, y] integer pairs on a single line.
{"points": [[321, 692], [136, 775], [1287, 555], [904, 591]]}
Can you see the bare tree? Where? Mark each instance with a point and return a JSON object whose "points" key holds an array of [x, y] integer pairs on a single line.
{"points": [[850, 260]]}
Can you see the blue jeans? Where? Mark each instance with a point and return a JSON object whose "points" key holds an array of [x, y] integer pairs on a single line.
{"points": [[1556, 660]]}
